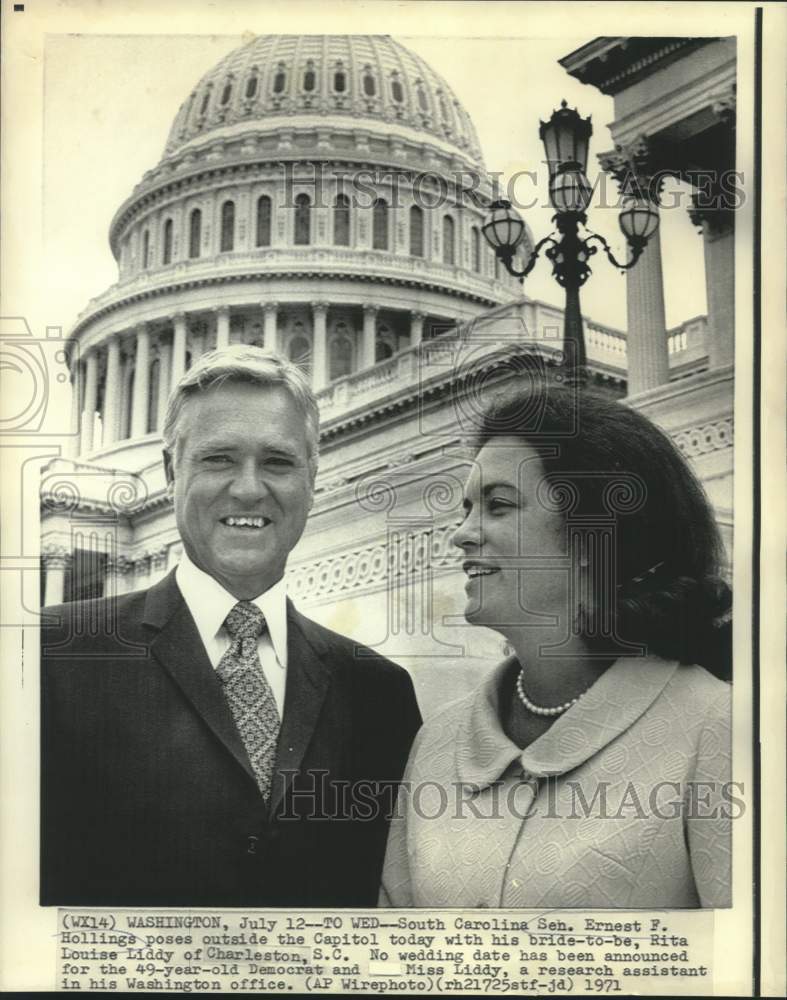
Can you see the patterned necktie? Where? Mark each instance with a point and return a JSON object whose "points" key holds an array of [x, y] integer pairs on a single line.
{"points": [[248, 692]]}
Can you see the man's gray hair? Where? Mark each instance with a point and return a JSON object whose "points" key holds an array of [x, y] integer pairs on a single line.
{"points": [[254, 365]]}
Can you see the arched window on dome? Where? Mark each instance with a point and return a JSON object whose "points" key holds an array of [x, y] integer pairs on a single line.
{"points": [[280, 80], [475, 248], [309, 80], [299, 351], [263, 233], [369, 84], [443, 107], [449, 249], [227, 226], [397, 90], [303, 220], [340, 356], [251, 86], [145, 250], [423, 103], [205, 100], [226, 93], [380, 225], [195, 232], [416, 231], [341, 221], [166, 243], [340, 81]]}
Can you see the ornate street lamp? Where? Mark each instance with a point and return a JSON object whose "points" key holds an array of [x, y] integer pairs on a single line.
{"points": [[566, 136]]}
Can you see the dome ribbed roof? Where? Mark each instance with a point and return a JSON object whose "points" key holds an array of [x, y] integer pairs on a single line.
{"points": [[359, 77]]}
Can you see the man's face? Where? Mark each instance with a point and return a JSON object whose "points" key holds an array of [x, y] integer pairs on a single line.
{"points": [[242, 484]]}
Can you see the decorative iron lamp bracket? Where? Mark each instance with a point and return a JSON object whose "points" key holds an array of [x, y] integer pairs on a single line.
{"points": [[507, 257], [570, 254], [636, 245]]}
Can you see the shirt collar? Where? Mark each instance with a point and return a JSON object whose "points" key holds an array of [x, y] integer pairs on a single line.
{"points": [[209, 604], [617, 699]]}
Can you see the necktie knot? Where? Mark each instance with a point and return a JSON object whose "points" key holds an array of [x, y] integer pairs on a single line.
{"points": [[245, 621]]}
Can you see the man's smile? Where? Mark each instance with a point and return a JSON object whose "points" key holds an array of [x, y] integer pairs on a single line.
{"points": [[245, 521]]}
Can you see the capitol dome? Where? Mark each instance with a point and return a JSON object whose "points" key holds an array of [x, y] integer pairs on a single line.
{"points": [[365, 79], [321, 195]]}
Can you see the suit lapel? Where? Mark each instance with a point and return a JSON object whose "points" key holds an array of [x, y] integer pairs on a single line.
{"points": [[309, 676], [179, 649]]}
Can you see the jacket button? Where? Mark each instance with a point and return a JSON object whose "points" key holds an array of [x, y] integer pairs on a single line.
{"points": [[252, 845]]}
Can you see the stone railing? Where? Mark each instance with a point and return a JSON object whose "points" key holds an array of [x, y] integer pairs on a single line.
{"points": [[602, 341], [689, 336], [453, 355], [366, 263]]}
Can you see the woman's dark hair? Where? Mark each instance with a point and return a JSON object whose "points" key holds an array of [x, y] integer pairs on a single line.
{"points": [[605, 462]]}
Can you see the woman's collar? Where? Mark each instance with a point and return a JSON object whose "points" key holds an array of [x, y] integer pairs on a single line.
{"points": [[617, 699]]}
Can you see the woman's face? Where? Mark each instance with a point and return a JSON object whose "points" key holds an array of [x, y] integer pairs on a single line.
{"points": [[515, 559]]}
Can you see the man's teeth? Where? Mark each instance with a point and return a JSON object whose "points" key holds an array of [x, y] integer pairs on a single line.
{"points": [[245, 522], [479, 571]]}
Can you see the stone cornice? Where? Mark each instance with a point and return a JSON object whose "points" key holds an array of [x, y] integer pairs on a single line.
{"points": [[412, 394], [707, 100], [715, 379], [422, 549], [303, 273], [614, 64], [702, 439]]}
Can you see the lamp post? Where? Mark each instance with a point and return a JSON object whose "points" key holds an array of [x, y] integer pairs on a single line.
{"points": [[565, 137]]}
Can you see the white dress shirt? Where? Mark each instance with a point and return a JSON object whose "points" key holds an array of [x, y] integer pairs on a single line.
{"points": [[209, 604]]}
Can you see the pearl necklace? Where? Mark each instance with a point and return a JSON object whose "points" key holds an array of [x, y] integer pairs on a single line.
{"points": [[539, 709]]}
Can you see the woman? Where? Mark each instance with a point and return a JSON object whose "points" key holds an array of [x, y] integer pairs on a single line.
{"points": [[591, 769]]}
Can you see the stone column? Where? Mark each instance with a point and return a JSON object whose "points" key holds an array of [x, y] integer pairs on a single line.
{"points": [[633, 167], [178, 366], [270, 329], [719, 247], [89, 403], [222, 327], [55, 566], [164, 354], [416, 328], [319, 346], [647, 327], [112, 392], [75, 423], [369, 352], [139, 403]]}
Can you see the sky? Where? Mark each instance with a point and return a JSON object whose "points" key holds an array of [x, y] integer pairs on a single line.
{"points": [[109, 101]]}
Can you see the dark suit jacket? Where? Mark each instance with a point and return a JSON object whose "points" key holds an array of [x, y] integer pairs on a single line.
{"points": [[148, 797]]}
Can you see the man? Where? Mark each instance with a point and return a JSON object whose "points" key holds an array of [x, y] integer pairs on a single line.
{"points": [[202, 742]]}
